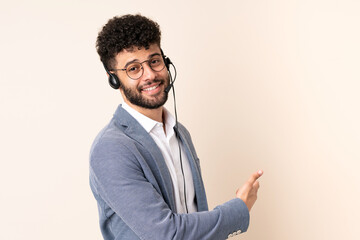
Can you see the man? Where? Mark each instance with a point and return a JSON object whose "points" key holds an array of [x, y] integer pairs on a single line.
{"points": [[144, 171]]}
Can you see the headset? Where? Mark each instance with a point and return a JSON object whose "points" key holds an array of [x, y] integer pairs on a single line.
{"points": [[114, 80]]}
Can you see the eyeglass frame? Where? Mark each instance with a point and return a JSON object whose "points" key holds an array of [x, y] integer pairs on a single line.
{"points": [[141, 64]]}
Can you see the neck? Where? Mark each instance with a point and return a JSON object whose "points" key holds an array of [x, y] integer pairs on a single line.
{"points": [[154, 114]]}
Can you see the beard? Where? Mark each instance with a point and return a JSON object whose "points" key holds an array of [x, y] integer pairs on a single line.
{"points": [[135, 97]]}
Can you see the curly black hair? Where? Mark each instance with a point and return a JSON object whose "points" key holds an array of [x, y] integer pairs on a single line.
{"points": [[126, 32]]}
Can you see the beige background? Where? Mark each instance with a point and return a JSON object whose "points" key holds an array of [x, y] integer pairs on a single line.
{"points": [[261, 84]]}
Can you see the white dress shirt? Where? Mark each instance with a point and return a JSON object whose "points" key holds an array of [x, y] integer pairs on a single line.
{"points": [[169, 147]]}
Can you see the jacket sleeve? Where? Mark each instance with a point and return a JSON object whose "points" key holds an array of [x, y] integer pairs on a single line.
{"points": [[122, 184]]}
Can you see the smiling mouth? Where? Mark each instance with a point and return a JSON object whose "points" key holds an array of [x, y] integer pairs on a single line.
{"points": [[151, 88]]}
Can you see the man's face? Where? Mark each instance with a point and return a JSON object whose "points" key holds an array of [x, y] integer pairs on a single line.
{"points": [[148, 90]]}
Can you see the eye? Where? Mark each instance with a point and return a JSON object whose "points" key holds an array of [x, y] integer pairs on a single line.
{"points": [[155, 61], [133, 68]]}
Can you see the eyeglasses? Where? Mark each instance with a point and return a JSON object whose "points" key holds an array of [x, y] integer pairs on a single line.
{"points": [[135, 69]]}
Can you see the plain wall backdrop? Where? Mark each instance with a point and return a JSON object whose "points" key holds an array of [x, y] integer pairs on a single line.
{"points": [[270, 85]]}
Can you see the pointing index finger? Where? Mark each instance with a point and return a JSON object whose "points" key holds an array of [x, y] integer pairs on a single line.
{"points": [[255, 176]]}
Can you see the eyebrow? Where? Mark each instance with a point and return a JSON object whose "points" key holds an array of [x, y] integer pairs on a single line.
{"points": [[137, 60]]}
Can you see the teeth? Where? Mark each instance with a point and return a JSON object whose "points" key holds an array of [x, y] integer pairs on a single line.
{"points": [[150, 88]]}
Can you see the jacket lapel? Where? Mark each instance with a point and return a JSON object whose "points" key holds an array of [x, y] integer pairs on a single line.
{"points": [[135, 131]]}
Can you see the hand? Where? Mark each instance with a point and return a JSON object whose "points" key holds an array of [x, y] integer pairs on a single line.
{"points": [[248, 192]]}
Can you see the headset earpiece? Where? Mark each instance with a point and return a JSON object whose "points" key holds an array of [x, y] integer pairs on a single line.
{"points": [[167, 60], [113, 79]]}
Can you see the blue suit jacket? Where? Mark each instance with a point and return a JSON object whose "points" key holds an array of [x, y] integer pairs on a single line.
{"points": [[133, 188]]}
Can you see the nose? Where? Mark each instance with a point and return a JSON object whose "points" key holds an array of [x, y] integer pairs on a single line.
{"points": [[148, 74]]}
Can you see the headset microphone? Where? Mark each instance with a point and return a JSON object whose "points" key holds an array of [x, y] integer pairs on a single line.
{"points": [[167, 89]]}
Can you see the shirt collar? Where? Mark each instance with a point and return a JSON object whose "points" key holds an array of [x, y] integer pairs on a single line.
{"points": [[147, 123]]}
